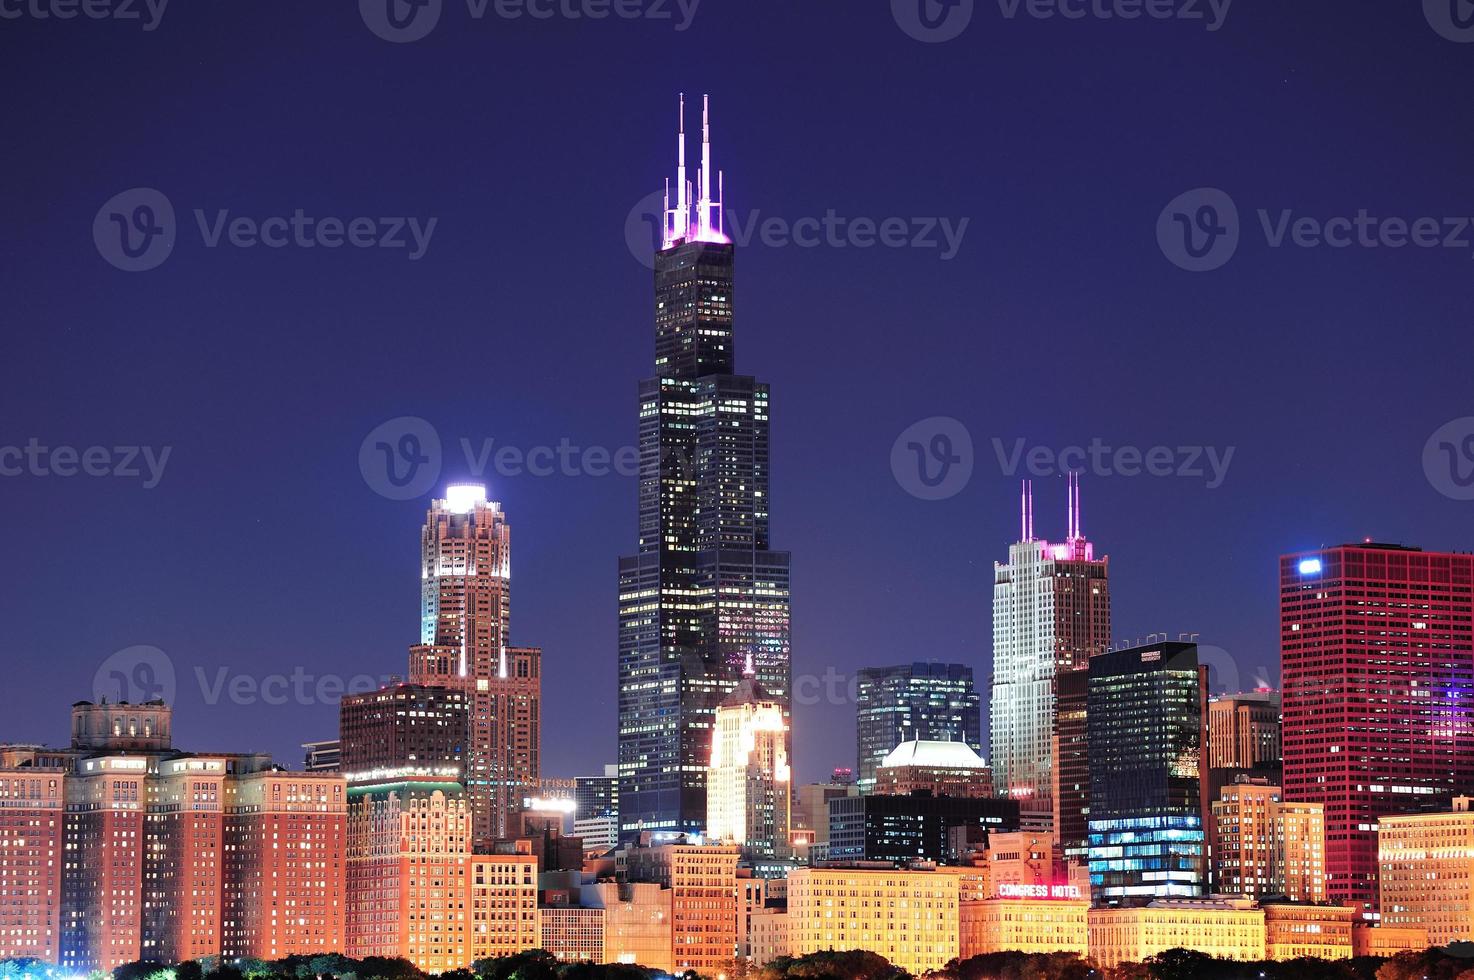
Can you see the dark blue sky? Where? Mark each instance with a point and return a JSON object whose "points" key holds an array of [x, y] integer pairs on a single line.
{"points": [[262, 550]]}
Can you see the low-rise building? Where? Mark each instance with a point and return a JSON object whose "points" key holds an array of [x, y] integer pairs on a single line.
{"points": [[702, 879], [1386, 941], [1426, 872], [1296, 929], [503, 902], [1025, 924], [767, 935], [909, 917], [572, 933], [637, 922], [1230, 929]]}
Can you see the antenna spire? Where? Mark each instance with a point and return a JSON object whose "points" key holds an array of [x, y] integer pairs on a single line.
{"points": [[690, 219]]}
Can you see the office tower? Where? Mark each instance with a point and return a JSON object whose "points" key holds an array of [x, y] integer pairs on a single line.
{"points": [[748, 790], [1377, 647], [1244, 730], [408, 866], [1426, 865], [1051, 613], [704, 592], [911, 828], [1145, 718], [938, 768], [927, 701], [1071, 749], [812, 812], [596, 809], [908, 917], [465, 635], [32, 817], [404, 732], [322, 756], [703, 897], [1266, 846]]}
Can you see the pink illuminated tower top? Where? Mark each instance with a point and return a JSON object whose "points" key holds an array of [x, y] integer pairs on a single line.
{"points": [[695, 217]]}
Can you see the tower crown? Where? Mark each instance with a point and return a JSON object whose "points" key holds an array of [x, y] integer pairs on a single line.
{"points": [[695, 217]]}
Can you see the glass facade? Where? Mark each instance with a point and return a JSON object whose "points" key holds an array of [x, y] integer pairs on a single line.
{"points": [[703, 594], [1145, 719], [920, 701]]}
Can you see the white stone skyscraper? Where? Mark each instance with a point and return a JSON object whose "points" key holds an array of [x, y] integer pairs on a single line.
{"points": [[1051, 612]]}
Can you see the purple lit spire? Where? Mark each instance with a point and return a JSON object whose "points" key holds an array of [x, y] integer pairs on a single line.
{"points": [[691, 218]]}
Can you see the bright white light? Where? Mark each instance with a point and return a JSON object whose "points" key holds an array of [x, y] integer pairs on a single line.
{"points": [[460, 498], [1310, 566]]}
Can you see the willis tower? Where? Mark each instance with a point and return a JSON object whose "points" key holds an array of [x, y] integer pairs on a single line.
{"points": [[703, 596]]}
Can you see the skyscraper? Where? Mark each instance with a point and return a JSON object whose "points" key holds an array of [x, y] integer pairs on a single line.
{"points": [[465, 631], [912, 702], [748, 793], [1051, 613], [1147, 773], [704, 592], [1377, 651]]}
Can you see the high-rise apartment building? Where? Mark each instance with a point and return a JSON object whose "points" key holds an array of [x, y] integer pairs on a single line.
{"points": [[704, 592], [1051, 613], [919, 701], [748, 791], [32, 818], [1377, 648], [1244, 730], [1148, 772], [465, 637]]}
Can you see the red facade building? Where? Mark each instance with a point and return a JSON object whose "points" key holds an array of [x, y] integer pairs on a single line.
{"points": [[1377, 651]]}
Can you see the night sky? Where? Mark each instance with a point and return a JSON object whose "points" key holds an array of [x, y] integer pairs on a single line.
{"points": [[262, 550]]}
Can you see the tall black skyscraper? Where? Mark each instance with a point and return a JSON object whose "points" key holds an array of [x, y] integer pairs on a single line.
{"points": [[704, 595]]}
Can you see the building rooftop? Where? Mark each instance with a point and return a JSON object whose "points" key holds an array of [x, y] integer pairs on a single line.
{"points": [[934, 755]]}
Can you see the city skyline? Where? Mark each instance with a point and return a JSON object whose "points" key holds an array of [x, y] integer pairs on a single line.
{"points": [[1058, 268]]}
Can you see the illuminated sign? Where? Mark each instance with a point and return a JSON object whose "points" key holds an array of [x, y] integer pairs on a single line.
{"points": [[1039, 891], [1310, 566]]}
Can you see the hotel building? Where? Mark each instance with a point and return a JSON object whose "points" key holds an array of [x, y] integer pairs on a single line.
{"points": [[1230, 929], [1301, 929], [1027, 924]]}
